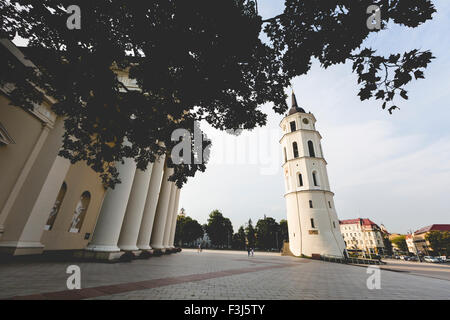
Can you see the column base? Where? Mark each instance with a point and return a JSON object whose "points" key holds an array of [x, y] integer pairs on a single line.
{"points": [[128, 248], [18, 248], [159, 248], [158, 252], [135, 253], [99, 255], [101, 248], [128, 256], [146, 254], [145, 247]]}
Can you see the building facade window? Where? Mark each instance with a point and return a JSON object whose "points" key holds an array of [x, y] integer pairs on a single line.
{"points": [[310, 204], [311, 149], [312, 223], [314, 175], [293, 126], [59, 199], [329, 204], [295, 149], [285, 154], [300, 180], [80, 212]]}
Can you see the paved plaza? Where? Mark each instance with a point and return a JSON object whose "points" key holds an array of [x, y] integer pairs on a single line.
{"points": [[215, 275]]}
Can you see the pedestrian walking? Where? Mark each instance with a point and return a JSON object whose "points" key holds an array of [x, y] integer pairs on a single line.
{"points": [[253, 252], [248, 251]]}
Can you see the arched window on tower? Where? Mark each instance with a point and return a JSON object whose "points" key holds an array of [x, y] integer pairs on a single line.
{"points": [[314, 175], [293, 126], [311, 149], [310, 203], [285, 155], [80, 212], [295, 149], [300, 180], [59, 199]]}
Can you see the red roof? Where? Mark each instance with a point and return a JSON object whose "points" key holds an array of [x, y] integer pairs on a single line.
{"points": [[362, 221], [434, 227]]}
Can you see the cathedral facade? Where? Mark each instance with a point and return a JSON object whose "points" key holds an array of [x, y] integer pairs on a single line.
{"points": [[48, 204], [312, 220]]}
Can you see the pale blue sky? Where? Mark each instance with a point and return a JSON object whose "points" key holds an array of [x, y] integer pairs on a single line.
{"points": [[393, 169]]}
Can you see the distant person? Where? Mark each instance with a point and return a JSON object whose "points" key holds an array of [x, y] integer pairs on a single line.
{"points": [[253, 252], [199, 248], [248, 251], [345, 254]]}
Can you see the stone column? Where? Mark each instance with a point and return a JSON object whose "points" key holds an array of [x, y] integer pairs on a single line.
{"points": [[167, 227], [174, 219], [135, 208], [30, 202], [148, 217], [109, 223], [161, 212], [23, 174]]}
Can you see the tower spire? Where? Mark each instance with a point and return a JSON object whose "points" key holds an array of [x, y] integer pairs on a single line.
{"points": [[294, 105]]}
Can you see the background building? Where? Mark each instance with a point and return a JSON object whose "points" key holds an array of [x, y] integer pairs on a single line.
{"points": [[410, 243], [395, 247], [362, 235], [419, 237]]}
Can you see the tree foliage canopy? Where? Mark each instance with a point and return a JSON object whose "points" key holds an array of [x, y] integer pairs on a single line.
{"points": [[239, 239], [192, 60], [250, 233], [400, 242], [187, 230], [268, 234], [219, 229], [284, 230], [439, 241]]}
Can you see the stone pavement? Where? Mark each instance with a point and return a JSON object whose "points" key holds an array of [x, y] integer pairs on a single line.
{"points": [[214, 275], [432, 270]]}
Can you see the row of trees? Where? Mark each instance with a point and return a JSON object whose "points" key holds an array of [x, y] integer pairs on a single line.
{"points": [[439, 242], [266, 235], [187, 231]]}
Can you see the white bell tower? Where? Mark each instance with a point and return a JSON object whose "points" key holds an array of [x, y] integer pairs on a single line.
{"points": [[312, 220]]}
